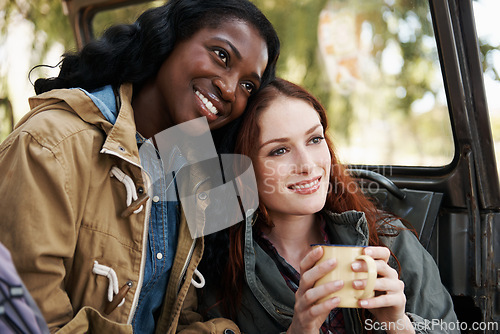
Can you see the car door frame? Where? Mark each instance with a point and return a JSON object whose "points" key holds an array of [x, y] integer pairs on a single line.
{"points": [[466, 240]]}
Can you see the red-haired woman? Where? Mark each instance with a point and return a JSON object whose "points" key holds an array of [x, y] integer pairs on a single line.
{"points": [[305, 196]]}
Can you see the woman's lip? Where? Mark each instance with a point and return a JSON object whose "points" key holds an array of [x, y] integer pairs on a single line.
{"points": [[304, 182], [210, 107], [306, 187]]}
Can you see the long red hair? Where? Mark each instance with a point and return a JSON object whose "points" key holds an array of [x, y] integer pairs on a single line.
{"points": [[344, 193]]}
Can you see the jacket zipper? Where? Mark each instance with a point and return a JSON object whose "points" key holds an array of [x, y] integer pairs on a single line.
{"points": [[285, 313], [186, 264], [359, 319]]}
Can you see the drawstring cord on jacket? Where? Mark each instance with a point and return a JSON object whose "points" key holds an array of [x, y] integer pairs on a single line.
{"points": [[132, 195], [129, 186], [199, 284], [100, 269]]}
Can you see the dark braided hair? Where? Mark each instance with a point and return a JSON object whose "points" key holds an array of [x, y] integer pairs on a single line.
{"points": [[134, 53]]}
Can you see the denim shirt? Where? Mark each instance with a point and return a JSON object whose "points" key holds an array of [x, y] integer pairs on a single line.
{"points": [[163, 220]]}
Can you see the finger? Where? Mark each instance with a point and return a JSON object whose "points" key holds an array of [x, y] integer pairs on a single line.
{"points": [[310, 259], [309, 278], [382, 284], [322, 309], [359, 284], [313, 295], [383, 269], [387, 300], [361, 266], [389, 285], [378, 253]]}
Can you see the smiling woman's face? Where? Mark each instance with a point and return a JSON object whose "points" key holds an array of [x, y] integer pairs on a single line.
{"points": [[292, 164], [212, 74]]}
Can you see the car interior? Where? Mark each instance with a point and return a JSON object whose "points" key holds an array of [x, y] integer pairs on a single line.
{"points": [[454, 206]]}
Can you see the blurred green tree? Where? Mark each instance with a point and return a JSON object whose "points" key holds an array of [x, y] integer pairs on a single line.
{"points": [[402, 27], [49, 25]]}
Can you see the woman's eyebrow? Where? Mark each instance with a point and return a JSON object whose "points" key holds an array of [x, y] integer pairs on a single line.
{"points": [[275, 140], [231, 45], [284, 139], [237, 53], [311, 130]]}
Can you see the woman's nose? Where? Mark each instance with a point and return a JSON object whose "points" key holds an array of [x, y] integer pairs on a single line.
{"points": [[304, 162], [226, 85]]}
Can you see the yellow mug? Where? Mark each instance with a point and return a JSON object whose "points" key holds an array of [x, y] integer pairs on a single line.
{"points": [[345, 256]]}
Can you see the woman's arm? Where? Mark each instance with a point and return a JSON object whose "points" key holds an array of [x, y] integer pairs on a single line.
{"points": [[38, 223], [191, 321], [43, 193]]}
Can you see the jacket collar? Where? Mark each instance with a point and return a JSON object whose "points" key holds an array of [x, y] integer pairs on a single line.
{"points": [[120, 140], [349, 228], [262, 278]]}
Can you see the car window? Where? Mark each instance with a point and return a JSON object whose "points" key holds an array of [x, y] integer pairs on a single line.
{"points": [[388, 69], [374, 65], [485, 12], [128, 14]]}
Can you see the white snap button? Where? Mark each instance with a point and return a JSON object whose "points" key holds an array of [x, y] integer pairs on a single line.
{"points": [[159, 256], [156, 199]]}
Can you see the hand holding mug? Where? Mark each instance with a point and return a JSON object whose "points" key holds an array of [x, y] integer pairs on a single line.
{"points": [[311, 307], [388, 304], [346, 256]]}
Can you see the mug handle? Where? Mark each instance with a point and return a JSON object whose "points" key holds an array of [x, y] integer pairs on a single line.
{"points": [[372, 274]]}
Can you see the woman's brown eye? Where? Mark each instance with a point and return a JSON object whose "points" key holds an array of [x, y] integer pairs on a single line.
{"points": [[249, 87], [222, 55]]}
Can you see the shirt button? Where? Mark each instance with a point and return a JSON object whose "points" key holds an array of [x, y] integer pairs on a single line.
{"points": [[156, 199], [159, 256]]}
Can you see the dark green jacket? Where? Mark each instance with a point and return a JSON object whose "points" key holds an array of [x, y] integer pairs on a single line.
{"points": [[268, 303]]}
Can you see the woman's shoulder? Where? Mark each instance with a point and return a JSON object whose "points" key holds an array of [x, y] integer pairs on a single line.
{"points": [[391, 225], [52, 121], [402, 240], [352, 227]]}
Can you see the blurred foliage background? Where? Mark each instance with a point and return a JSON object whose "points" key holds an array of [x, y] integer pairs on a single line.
{"points": [[372, 63]]}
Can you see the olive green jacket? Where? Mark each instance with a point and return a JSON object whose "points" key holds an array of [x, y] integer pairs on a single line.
{"points": [[268, 303]]}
